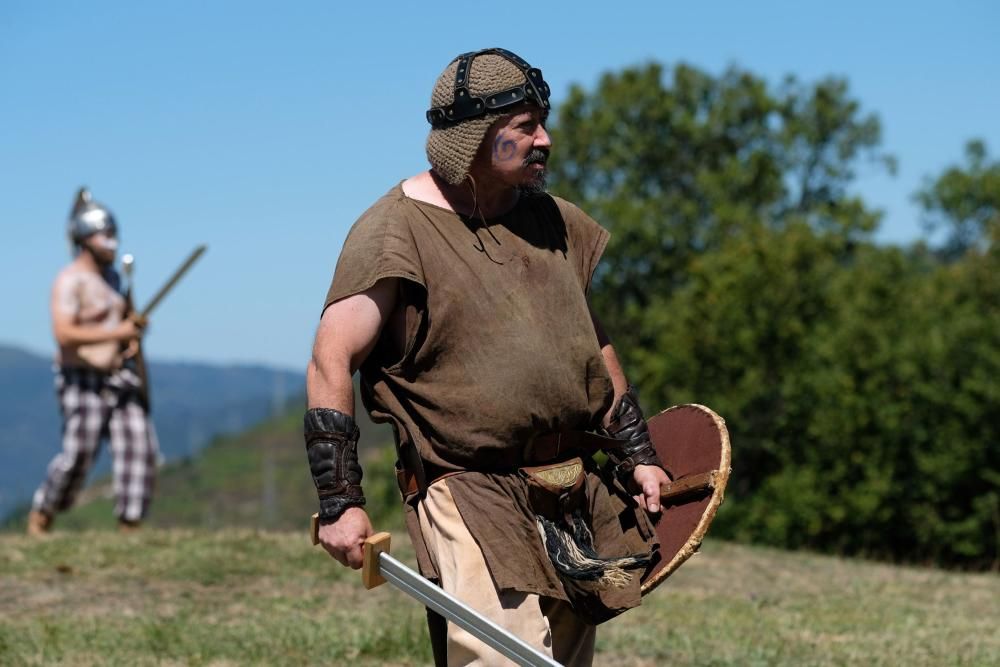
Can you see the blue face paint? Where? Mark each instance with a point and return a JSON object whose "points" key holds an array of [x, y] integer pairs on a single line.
{"points": [[503, 149]]}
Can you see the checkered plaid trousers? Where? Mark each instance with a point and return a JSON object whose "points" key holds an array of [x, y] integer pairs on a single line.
{"points": [[95, 406]]}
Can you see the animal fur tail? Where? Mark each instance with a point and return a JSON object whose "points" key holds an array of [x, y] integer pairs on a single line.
{"points": [[571, 550]]}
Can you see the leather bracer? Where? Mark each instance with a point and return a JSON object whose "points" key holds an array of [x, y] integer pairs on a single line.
{"points": [[629, 426], [332, 447]]}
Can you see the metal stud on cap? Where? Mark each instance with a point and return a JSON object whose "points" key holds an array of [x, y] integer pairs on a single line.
{"points": [[466, 106]]}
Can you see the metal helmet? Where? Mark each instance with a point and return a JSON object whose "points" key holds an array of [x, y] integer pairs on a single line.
{"points": [[89, 217]]}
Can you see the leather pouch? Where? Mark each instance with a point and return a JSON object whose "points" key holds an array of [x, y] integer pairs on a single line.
{"points": [[557, 489], [597, 588]]}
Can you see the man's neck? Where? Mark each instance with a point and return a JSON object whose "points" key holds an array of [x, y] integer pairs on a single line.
{"points": [[470, 198], [485, 198], [86, 262]]}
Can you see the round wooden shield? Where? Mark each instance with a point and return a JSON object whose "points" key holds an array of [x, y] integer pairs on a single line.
{"points": [[693, 443]]}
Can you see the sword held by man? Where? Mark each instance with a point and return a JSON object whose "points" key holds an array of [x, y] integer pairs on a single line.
{"points": [[379, 566], [134, 354]]}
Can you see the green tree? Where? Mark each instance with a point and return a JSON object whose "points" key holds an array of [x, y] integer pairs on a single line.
{"points": [[742, 274], [961, 508], [679, 168], [682, 169], [964, 201]]}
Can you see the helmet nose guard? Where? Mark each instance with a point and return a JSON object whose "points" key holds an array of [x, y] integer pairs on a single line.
{"points": [[466, 105]]}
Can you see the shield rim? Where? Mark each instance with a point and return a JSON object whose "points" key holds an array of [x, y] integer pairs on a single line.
{"points": [[720, 480]]}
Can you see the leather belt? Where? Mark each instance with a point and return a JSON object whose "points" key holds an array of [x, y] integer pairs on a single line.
{"points": [[564, 444], [418, 474]]}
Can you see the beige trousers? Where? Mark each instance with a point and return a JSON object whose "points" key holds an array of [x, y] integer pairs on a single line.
{"points": [[546, 623]]}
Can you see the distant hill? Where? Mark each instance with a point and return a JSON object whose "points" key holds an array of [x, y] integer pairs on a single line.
{"points": [[258, 478], [192, 403]]}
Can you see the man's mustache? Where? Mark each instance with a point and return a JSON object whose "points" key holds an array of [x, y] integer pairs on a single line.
{"points": [[537, 155]]}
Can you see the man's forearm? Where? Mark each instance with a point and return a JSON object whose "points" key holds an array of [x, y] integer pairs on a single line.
{"points": [[347, 333], [329, 387], [624, 420], [332, 439], [618, 380]]}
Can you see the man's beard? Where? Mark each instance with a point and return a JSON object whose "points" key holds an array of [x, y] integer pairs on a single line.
{"points": [[537, 183], [102, 258]]}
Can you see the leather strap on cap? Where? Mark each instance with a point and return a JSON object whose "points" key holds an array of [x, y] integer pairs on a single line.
{"points": [[466, 105]]}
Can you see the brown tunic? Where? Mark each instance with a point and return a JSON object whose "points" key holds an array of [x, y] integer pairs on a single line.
{"points": [[499, 347]]}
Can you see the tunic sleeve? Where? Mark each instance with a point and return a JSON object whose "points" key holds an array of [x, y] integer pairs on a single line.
{"points": [[380, 245], [587, 240]]}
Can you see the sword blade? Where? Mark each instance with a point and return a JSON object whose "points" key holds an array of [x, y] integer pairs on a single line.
{"points": [[460, 614], [177, 275]]}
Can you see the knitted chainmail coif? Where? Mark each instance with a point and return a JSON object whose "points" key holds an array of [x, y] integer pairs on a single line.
{"points": [[451, 150]]}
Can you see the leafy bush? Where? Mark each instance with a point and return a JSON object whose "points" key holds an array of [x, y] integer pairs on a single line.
{"points": [[858, 380]]}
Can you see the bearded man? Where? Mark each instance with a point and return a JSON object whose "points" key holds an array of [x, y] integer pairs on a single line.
{"points": [[461, 295], [99, 394]]}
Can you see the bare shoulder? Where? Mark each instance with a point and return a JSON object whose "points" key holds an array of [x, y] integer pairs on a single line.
{"points": [[415, 186], [422, 187], [68, 276], [67, 289]]}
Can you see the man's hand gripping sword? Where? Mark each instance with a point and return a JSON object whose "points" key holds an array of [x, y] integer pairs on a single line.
{"points": [[380, 567]]}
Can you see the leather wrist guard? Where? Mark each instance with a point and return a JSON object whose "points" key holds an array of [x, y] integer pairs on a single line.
{"points": [[332, 448], [629, 426]]}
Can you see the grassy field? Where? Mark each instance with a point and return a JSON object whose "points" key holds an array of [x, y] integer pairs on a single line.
{"points": [[243, 597], [223, 575]]}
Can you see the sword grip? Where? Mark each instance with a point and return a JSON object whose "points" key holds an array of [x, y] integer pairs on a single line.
{"points": [[374, 545]]}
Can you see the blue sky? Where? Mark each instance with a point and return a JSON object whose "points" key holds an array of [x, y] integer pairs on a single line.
{"points": [[265, 129]]}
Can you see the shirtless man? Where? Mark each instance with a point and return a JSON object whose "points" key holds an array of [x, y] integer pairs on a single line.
{"points": [[99, 395]]}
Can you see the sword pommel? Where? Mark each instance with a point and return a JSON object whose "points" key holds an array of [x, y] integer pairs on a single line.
{"points": [[371, 575]]}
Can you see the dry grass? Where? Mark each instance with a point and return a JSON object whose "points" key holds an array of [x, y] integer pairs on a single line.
{"points": [[240, 597]]}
